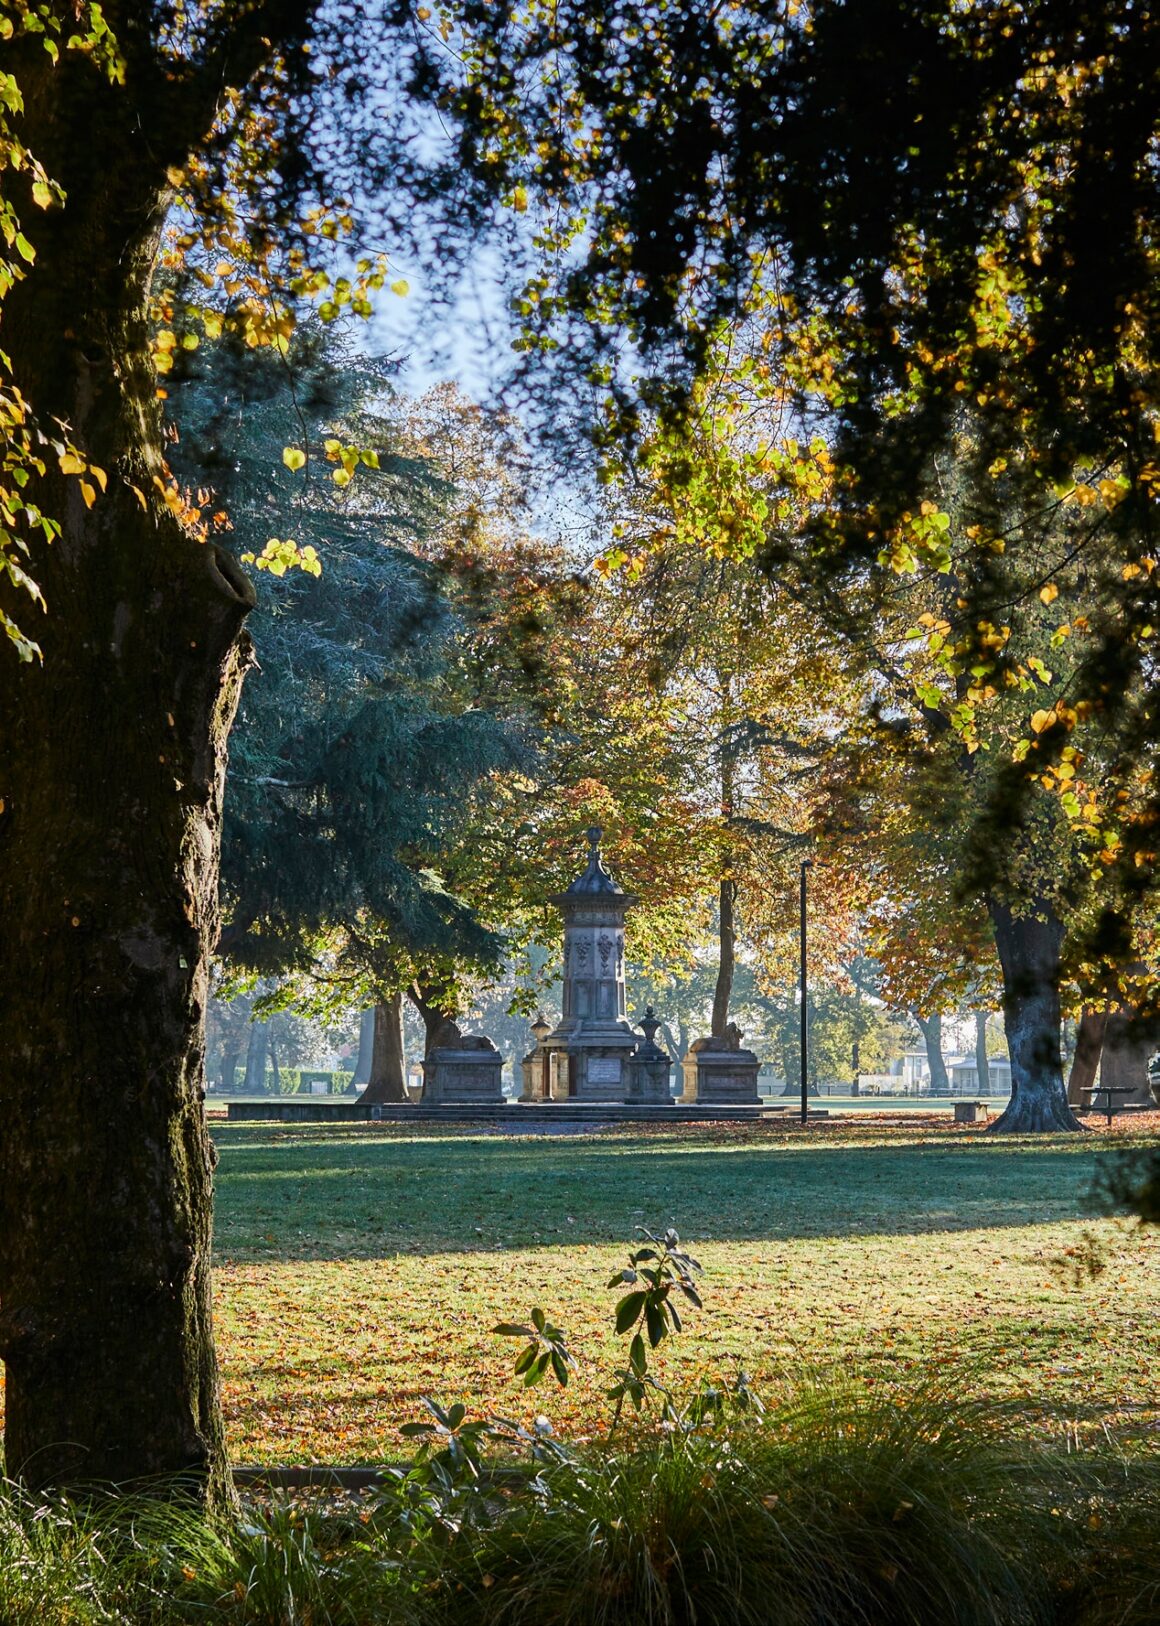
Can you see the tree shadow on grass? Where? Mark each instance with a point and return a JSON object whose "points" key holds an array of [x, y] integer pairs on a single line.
{"points": [[357, 1198]]}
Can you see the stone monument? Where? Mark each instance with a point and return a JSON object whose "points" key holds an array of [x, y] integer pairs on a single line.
{"points": [[718, 1072], [462, 1070], [587, 1055], [648, 1071]]}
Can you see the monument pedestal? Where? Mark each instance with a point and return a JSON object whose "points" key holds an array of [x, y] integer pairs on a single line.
{"points": [[468, 1074], [535, 1067], [648, 1071], [718, 1072]]}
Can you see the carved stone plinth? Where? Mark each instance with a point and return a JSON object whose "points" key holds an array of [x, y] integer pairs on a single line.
{"points": [[469, 1073], [536, 1066], [648, 1071], [718, 1072]]}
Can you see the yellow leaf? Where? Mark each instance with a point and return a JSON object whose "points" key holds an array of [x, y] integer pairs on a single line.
{"points": [[1041, 720], [71, 464], [89, 493], [42, 194], [1049, 594], [293, 458]]}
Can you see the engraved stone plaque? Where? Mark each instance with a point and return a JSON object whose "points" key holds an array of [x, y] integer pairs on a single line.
{"points": [[604, 1069]]}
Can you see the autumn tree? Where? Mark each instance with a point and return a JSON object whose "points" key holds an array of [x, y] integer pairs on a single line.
{"points": [[940, 208]]}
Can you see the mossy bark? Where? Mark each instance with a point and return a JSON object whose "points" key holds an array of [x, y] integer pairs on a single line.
{"points": [[112, 777]]}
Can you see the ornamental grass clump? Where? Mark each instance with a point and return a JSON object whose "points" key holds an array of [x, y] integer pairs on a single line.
{"points": [[116, 1560], [842, 1510], [54, 1568]]}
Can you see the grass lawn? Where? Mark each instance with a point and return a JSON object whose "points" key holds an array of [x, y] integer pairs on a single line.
{"points": [[359, 1267]]}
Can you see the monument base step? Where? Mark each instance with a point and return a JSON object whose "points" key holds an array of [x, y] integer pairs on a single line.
{"points": [[505, 1114]]}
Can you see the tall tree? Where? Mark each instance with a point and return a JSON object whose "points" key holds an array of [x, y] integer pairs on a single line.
{"points": [[935, 206], [357, 753], [115, 741]]}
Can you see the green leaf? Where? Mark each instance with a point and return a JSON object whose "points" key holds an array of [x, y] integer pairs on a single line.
{"points": [[628, 1310], [537, 1369], [42, 194]]}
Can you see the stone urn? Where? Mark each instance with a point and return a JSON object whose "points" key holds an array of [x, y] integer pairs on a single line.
{"points": [[1154, 1078]]}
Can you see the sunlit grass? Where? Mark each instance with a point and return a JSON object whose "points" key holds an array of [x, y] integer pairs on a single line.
{"points": [[360, 1268]]}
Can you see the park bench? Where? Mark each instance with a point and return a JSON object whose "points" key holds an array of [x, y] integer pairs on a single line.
{"points": [[968, 1112]]}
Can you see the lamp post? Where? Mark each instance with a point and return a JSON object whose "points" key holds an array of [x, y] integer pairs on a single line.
{"points": [[805, 1031]]}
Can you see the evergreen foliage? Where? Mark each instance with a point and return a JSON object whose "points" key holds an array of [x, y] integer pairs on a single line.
{"points": [[354, 758]]}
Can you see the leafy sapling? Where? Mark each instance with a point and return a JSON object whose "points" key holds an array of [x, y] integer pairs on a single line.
{"points": [[453, 1442], [546, 1349], [650, 1310]]}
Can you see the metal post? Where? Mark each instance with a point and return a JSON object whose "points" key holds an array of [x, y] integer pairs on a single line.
{"points": [[805, 1040]]}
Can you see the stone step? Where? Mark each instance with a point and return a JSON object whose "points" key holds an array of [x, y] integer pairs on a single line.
{"points": [[508, 1115]]}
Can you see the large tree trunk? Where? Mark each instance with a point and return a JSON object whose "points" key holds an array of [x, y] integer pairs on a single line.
{"points": [[1089, 1042], [727, 894], [366, 1048], [1029, 948], [231, 1061], [434, 1012], [254, 1082], [388, 1080], [1129, 1045], [727, 957], [112, 775], [982, 1063], [931, 1030]]}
